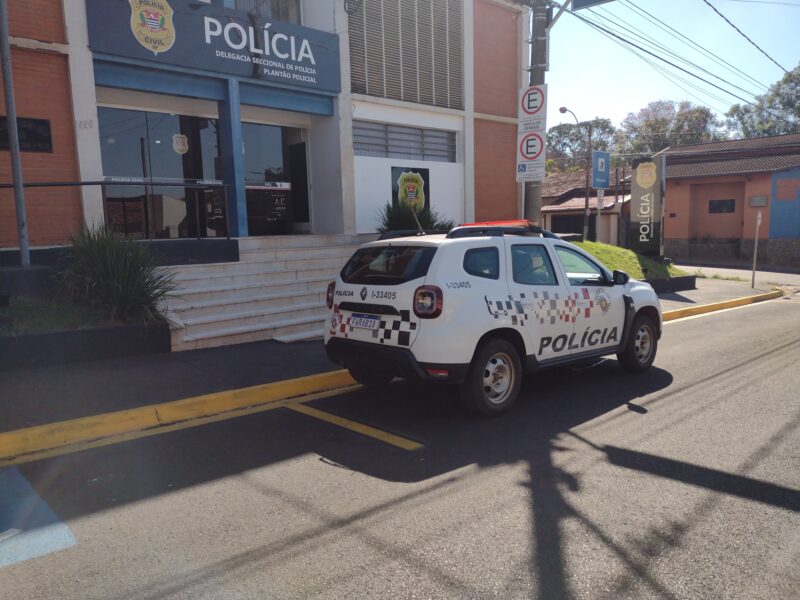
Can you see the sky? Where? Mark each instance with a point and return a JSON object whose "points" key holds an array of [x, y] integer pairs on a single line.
{"points": [[594, 77]]}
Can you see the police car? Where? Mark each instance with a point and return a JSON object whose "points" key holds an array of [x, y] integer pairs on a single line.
{"points": [[482, 305]]}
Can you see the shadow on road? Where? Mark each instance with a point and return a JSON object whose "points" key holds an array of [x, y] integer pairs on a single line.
{"points": [[552, 405]]}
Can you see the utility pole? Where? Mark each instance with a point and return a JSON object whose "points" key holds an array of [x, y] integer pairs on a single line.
{"points": [[533, 189], [588, 184], [13, 136]]}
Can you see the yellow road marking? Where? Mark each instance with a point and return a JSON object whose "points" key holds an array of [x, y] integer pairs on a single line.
{"points": [[93, 430], [691, 311], [378, 434]]}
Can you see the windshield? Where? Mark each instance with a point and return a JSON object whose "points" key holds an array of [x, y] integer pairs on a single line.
{"points": [[388, 265]]}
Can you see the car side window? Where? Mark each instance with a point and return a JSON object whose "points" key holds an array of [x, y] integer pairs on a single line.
{"points": [[483, 262], [580, 270], [532, 266]]}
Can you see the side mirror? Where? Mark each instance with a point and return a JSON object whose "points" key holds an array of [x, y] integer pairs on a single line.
{"points": [[621, 278]]}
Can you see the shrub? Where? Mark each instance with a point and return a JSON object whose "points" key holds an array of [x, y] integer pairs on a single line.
{"points": [[118, 276], [400, 216]]}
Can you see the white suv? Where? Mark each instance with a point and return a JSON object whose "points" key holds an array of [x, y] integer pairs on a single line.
{"points": [[481, 306]]}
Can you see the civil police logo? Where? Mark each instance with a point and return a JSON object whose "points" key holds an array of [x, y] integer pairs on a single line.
{"points": [[646, 175], [151, 24], [180, 143], [411, 189], [364, 293]]}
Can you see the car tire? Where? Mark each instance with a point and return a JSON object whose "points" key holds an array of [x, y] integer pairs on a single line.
{"points": [[370, 378], [640, 349], [494, 379]]}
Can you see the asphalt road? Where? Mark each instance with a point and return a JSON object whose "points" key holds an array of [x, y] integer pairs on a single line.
{"points": [[683, 482]]}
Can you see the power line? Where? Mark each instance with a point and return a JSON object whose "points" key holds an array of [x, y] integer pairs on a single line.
{"points": [[768, 2], [661, 47], [714, 8], [639, 11], [672, 64]]}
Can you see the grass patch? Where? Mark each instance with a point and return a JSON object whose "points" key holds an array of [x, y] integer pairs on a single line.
{"points": [[30, 315], [699, 274], [635, 265]]}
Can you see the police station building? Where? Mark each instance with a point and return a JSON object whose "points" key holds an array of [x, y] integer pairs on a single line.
{"points": [[261, 119]]}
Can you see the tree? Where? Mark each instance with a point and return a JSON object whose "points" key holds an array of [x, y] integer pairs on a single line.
{"points": [[566, 143], [664, 123], [775, 113]]}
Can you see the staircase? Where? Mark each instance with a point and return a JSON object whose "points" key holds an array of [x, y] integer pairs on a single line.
{"points": [[276, 291]]}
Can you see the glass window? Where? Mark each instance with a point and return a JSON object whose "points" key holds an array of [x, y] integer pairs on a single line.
{"points": [[580, 270], [388, 265], [532, 265], [264, 153], [482, 262], [721, 206], [160, 146]]}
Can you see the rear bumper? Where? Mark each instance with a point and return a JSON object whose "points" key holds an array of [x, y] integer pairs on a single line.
{"points": [[399, 361]]}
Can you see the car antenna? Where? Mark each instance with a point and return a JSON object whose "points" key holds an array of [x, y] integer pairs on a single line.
{"points": [[419, 225]]}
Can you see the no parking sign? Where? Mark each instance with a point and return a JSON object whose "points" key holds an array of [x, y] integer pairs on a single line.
{"points": [[531, 133]]}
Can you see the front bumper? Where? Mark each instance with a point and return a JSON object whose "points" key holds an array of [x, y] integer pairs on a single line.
{"points": [[398, 361]]}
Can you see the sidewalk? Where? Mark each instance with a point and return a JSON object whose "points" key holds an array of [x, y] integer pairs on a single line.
{"points": [[41, 395], [709, 291]]}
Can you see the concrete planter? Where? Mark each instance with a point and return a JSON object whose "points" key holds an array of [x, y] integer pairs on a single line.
{"points": [[674, 284], [62, 347]]}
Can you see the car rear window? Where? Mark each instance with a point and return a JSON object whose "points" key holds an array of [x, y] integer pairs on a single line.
{"points": [[388, 265]]}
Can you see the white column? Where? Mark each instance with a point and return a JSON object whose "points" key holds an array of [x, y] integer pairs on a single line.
{"points": [[84, 108], [469, 111]]}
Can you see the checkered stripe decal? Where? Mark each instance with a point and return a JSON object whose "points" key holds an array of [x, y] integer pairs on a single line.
{"points": [[396, 331], [390, 331], [545, 307]]}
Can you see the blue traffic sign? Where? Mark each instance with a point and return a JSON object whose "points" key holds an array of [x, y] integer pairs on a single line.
{"points": [[601, 170]]}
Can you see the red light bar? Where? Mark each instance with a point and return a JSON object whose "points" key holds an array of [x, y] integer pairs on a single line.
{"points": [[517, 223]]}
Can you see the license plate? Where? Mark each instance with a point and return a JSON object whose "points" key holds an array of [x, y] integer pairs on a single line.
{"points": [[360, 321]]}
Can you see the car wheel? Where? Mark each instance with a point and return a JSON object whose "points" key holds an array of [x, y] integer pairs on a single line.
{"points": [[494, 379], [640, 350], [369, 377]]}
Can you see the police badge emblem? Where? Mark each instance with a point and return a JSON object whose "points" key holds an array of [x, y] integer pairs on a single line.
{"points": [[151, 24], [180, 143], [646, 175], [411, 189]]}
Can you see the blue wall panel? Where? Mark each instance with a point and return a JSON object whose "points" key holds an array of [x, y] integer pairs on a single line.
{"points": [[145, 79], [784, 215]]}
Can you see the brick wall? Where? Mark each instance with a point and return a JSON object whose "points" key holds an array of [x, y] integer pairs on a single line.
{"points": [[42, 91], [41, 20], [495, 160], [497, 71]]}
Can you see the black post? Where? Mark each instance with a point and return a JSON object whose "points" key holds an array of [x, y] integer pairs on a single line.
{"points": [[225, 211], [13, 137]]}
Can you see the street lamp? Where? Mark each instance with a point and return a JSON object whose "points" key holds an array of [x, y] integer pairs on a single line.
{"points": [[564, 110]]}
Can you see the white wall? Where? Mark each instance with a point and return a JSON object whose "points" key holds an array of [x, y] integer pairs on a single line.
{"points": [[374, 188], [373, 176]]}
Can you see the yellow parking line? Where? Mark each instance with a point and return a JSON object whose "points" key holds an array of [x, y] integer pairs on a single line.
{"points": [[378, 434]]}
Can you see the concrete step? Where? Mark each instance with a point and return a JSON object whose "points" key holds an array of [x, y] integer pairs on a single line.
{"points": [[344, 252], [223, 293], [296, 241], [268, 278], [214, 325], [246, 304], [210, 272], [246, 334]]}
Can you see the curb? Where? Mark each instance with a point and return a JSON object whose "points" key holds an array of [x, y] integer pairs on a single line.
{"points": [[682, 313], [34, 443], [43, 441]]}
